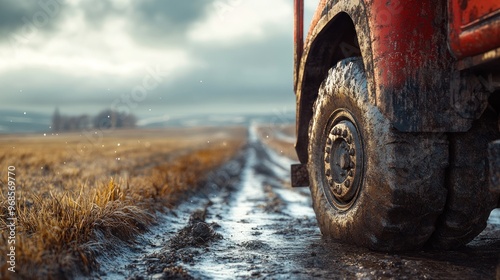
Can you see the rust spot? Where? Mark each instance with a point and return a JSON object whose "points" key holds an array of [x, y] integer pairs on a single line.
{"points": [[464, 4], [474, 14]]}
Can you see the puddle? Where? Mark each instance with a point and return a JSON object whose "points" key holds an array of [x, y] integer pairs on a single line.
{"points": [[494, 218]]}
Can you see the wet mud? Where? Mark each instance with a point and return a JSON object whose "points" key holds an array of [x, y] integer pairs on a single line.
{"points": [[247, 222]]}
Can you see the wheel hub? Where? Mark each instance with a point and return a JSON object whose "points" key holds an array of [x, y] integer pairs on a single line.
{"points": [[343, 162]]}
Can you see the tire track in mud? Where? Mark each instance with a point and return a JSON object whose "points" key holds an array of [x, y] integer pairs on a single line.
{"points": [[247, 222], [254, 216], [262, 223]]}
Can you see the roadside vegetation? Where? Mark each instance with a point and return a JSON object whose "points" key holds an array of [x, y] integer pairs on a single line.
{"points": [[77, 197]]}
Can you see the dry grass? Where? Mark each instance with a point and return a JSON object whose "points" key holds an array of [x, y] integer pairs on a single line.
{"points": [[76, 198], [280, 138]]}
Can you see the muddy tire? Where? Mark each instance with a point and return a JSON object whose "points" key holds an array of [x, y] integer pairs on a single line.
{"points": [[469, 201], [371, 185]]}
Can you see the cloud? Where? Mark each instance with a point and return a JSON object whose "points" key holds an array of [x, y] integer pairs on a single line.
{"points": [[97, 12], [157, 22], [20, 19], [223, 55], [91, 40], [234, 79], [237, 21]]}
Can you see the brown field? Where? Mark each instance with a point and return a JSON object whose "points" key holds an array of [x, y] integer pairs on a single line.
{"points": [[280, 138], [77, 194]]}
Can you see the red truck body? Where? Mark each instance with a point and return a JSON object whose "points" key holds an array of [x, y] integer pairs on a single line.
{"points": [[412, 50], [398, 109], [474, 27]]}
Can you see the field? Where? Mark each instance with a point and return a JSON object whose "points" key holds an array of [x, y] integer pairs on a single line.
{"points": [[78, 195]]}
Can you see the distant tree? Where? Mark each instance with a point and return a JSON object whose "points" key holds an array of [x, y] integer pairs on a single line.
{"points": [[104, 120], [108, 119], [56, 121], [83, 122]]}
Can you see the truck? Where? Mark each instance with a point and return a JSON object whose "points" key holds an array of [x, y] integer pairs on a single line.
{"points": [[397, 106]]}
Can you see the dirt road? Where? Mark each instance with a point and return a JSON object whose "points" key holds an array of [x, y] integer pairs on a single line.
{"points": [[249, 223]]}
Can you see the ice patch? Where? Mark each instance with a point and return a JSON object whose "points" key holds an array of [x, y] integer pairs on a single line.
{"points": [[494, 218]]}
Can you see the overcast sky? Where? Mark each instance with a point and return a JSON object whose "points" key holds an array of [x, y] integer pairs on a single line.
{"points": [[152, 57]]}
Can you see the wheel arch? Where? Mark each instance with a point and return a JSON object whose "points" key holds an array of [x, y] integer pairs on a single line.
{"points": [[340, 32]]}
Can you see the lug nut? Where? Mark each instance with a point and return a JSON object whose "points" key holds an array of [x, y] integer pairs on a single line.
{"points": [[338, 189], [344, 133], [350, 173]]}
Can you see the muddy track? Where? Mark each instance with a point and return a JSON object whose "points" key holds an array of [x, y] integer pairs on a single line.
{"points": [[248, 223]]}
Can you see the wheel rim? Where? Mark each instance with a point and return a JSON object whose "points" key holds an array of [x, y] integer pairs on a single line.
{"points": [[343, 155]]}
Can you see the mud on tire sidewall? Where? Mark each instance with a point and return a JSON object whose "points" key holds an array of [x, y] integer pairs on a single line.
{"points": [[379, 218]]}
